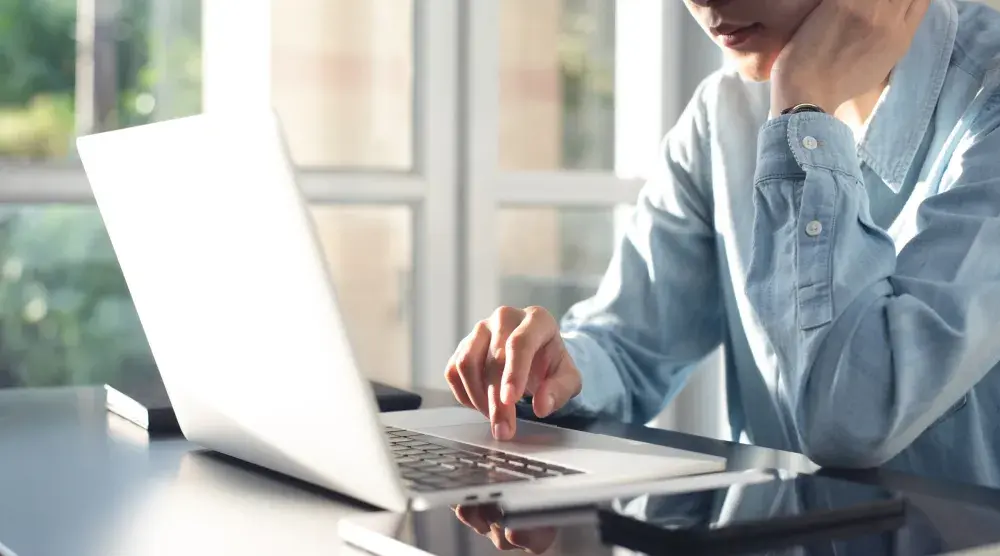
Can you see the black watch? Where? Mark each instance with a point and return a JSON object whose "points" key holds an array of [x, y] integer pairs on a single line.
{"points": [[804, 107]]}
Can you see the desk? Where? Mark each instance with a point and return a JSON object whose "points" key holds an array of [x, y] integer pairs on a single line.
{"points": [[77, 480]]}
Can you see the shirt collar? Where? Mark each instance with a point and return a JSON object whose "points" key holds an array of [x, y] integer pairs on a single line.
{"points": [[902, 116]]}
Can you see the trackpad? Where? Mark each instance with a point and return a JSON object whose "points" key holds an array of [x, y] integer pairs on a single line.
{"points": [[580, 450]]}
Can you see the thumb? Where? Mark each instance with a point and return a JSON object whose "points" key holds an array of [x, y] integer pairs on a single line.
{"points": [[560, 386]]}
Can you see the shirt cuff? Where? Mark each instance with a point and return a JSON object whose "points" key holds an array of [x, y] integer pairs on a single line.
{"points": [[789, 145]]}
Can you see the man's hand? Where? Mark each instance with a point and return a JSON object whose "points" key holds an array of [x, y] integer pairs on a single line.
{"points": [[486, 520], [514, 352], [843, 49]]}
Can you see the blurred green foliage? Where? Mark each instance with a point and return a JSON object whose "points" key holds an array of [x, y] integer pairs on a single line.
{"points": [[65, 313], [587, 62]]}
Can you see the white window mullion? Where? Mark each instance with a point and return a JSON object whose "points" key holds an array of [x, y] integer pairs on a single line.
{"points": [[331, 186], [23, 184], [641, 89], [436, 250], [481, 67], [236, 54], [564, 188]]}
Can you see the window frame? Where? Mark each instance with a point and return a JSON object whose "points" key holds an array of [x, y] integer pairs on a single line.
{"points": [[455, 188]]}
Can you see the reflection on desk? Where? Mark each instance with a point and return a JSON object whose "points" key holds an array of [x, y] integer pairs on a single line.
{"points": [[928, 525]]}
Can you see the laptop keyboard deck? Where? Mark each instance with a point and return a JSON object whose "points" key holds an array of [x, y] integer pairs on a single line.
{"points": [[428, 463]]}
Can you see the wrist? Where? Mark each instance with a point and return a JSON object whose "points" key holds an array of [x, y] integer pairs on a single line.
{"points": [[784, 97]]}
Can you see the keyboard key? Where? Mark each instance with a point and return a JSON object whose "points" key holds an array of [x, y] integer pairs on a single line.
{"points": [[441, 450], [419, 464], [405, 460], [405, 433], [411, 442], [407, 451]]}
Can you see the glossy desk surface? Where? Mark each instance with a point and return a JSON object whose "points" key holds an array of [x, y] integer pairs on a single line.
{"points": [[75, 479]]}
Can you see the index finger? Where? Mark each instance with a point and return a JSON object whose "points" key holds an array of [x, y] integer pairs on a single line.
{"points": [[522, 345]]}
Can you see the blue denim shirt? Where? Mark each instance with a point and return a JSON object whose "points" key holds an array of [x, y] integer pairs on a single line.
{"points": [[854, 281]]}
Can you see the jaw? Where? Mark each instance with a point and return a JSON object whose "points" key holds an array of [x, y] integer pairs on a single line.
{"points": [[754, 67]]}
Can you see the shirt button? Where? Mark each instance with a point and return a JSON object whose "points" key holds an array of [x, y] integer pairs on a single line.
{"points": [[810, 142], [814, 228]]}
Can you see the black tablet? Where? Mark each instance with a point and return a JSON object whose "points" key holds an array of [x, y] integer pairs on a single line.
{"points": [[147, 404], [753, 518]]}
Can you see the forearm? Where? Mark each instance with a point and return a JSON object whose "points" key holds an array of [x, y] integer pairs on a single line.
{"points": [[872, 346]]}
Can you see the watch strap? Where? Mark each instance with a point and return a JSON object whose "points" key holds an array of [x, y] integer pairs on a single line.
{"points": [[804, 107]]}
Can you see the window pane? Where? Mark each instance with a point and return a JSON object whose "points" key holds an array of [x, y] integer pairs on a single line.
{"points": [[554, 257], [342, 80], [370, 253], [557, 84], [66, 316], [73, 67]]}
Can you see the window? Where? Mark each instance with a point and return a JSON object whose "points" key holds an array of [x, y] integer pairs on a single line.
{"points": [[342, 81], [65, 313], [370, 256], [553, 257], [77, 67], [557, 84], [457, 155], [66, 316]]}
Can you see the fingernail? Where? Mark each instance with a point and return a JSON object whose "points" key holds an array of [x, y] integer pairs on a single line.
{"points": [[550, 403], [501, 431]]}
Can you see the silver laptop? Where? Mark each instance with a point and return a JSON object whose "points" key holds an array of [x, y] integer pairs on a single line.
{"points": [[220, 255]]}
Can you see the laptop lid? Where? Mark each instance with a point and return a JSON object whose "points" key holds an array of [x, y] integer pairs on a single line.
{"points": [[219, 252]]}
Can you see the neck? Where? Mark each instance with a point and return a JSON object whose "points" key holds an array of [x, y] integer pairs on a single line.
{"points": [[855, 112]]}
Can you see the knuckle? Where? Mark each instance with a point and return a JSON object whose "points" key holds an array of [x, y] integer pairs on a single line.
{"points": [[505, 313], [464, 363], [498, 353], [518, 341], [539, 314]]}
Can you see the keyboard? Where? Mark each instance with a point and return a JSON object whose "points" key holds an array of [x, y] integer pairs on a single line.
{"points": [[428, 463]]}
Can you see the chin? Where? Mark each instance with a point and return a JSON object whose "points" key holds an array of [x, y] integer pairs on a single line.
{"points": [[755, 67]]}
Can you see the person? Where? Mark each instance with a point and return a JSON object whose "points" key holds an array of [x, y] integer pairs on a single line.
{"points": [[827, 208]]}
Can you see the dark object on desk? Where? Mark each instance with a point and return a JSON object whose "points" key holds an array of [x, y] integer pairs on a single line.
{"points": [[801, 515], [148, 406], [804, 512], [391, 398]]}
